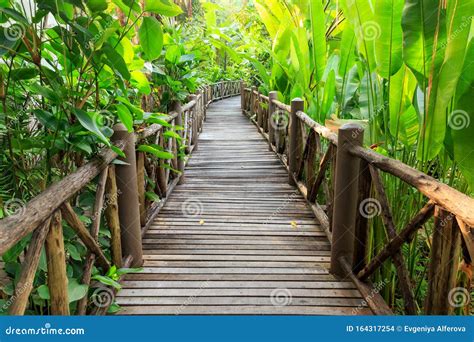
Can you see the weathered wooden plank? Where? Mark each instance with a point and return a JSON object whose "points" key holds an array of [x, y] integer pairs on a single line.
{"points": [[241, 310]]}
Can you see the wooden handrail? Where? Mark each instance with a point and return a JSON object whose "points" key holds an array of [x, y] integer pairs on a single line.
{"points": [[453, 210], [43, 213], [443, 195], [14, 228]]}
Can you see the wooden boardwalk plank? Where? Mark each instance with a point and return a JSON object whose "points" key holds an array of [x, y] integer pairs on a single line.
{"points": [[235, 238]]}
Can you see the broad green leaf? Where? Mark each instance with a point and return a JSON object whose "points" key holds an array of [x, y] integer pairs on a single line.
{"points": [[318, 37], [164, 7], [402, 90], [97, 5], [125, 116], [90, 122], [140, 81], [107, 281], [151, 38], [158, 153], [43, 292], [461, 120], [388, 43], [458, 28], [76, 291]]}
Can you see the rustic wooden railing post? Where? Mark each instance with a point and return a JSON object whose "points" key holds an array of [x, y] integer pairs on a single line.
{"points": [[294, 147], [179, 122], [444, 262], [194, 123], [252, 100], [129, 210], [56, 261], [273, 96], [259, 110], [112, 217], [242, 96], [346, 190]]}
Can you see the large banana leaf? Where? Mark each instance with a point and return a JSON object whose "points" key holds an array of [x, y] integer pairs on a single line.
{"points": [[388, 41], [318, 32], [461, 121], [424, 32], [459, 14], [403, 117]]}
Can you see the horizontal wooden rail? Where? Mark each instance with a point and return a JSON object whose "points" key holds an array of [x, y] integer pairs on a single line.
{"points": [[120, 194], [325, 166]]}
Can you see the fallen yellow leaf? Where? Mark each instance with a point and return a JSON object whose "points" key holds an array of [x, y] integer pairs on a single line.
{"points": [[294, 224], [201, 222]]}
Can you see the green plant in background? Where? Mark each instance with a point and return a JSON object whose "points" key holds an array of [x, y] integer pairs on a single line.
{"points": [[68, 72]]}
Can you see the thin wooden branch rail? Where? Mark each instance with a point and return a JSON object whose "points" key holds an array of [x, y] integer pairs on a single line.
{"points": [[339, 174], [120, 197]]}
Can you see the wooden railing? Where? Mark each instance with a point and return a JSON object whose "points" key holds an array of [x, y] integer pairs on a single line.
{"points": [[337, 176], [121, 199]]}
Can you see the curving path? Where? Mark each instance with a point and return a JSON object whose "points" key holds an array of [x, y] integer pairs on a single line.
{"points": [[235, 238]]}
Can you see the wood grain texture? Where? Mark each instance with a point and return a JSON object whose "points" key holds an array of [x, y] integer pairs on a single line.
{"points": [[235, 238]]}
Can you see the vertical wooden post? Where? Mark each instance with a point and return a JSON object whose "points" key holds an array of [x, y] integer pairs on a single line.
{"points": [[56, 258], [294, 148], [252, 100], [259, 111], [273, 96], [141, 186], [444, 262], [362, 227], [112, 217], [242, 96], [346, 191], [179, 122], [222, 90], [194, 123], [129, 210]]}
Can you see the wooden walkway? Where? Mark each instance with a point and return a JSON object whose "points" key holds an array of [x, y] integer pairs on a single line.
{"points": [[235, 238]]}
